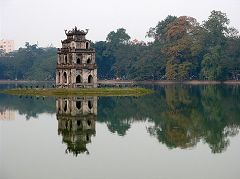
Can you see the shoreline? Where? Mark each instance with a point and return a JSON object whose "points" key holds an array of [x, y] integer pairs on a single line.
{"points": [[169, 82], [22, 81], [110, 82]]}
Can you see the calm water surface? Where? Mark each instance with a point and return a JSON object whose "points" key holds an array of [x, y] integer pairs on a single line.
{"points": [[178, 132]]}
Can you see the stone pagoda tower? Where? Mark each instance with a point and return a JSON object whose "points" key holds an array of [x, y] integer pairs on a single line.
{"points": [[76, 64]]}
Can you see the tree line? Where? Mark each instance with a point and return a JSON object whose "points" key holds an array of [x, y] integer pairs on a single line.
{"points": [[29, 63], [181, 49]]}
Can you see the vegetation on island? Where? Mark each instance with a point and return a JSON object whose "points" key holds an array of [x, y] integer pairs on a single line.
{"points": [[182, 49], [78, 91]]}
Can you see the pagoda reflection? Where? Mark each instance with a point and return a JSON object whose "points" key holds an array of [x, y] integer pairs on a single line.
{"points": [[76, 122]]}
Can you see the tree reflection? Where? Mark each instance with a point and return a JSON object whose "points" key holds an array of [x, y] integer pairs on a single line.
{"points": [[181, 115], [29, 106]]}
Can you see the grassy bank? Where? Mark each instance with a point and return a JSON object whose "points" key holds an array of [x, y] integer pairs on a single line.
{"points": [[79, 91]]}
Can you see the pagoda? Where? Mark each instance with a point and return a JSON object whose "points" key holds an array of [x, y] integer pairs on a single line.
{"points": [[76, 63]]}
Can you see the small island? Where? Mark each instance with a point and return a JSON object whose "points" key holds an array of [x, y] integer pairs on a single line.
{"points": [[57, 92]]}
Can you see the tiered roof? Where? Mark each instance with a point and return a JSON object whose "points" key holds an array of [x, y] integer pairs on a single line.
{"points": [[76, 31]]}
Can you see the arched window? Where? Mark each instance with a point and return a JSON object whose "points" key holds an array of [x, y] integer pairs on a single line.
{"points": [[65, 77], [78, 79], [89, 123], [87, 45], [78, 61], [65, 59], [78, 104], [90, 79], [59, 77], [90, 104], [88, 60], [65, 106], [78, 123]]}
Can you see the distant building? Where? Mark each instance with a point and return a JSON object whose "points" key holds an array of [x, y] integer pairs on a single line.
{"points": [[76, 64], [137, 42], [7, 45], [7, 115]]}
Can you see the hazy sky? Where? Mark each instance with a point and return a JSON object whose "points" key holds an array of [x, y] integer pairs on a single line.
{"points": [[44, 21]]}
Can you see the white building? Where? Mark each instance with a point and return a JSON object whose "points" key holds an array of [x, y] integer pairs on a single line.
{"points": [[7, 115], [7, 45]]}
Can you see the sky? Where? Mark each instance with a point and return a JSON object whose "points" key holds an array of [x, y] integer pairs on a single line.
{"points": [[43, 22]]}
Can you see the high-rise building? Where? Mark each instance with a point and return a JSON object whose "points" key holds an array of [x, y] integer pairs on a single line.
{"points": [[7, 45]]}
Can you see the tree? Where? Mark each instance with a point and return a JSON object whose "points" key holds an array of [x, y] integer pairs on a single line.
{"points": [[118, 37], [158, 32], [216, 28], [211, 67], [182, 48], [231, 59], [2, 52], [217, 38], [105, 60]]}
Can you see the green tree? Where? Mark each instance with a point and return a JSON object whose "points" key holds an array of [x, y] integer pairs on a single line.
{"points": [[216, 40], [118, 37], [216, 28], [211, 67], [158, 32]]}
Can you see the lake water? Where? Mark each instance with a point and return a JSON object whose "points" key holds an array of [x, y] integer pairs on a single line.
{"points": [[188, 132]]}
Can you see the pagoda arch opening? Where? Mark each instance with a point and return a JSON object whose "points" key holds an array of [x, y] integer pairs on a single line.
{"points": [[59, 77], [78, 104], [88, 60], [90, 104], [65, 106], [78, 61], [78, 79], [65, 59], [65, 77], [89, 123], [78, 123], [87, 45], [90, 79]]}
